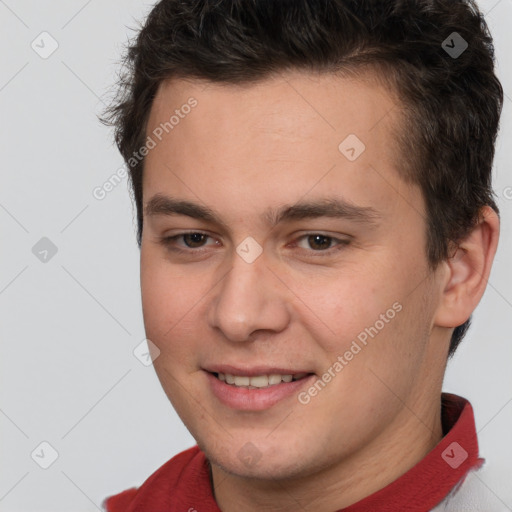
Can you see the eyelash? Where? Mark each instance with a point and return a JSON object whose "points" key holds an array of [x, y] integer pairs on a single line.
{"points": [[169, 243]]}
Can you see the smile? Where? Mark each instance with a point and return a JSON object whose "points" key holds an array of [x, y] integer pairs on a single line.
{"points": [[258, 391], [258, 381]]}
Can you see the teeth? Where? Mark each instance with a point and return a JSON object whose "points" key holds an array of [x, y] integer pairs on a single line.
{"points": [[258, 381], [261, 381], [242, 381], [274, 379]]}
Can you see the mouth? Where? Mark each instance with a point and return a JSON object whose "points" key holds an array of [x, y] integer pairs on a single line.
{"points": [[258, 381], [261, 390], [255, 388]]}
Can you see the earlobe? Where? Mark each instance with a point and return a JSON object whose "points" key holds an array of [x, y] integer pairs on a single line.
{"points": [[468, 270]]}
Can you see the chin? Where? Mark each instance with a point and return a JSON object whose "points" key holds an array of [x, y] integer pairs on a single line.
{"points": [[262, 470], [258, 460]]}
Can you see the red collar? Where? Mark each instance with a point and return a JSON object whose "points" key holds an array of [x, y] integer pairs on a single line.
{"points": [[183, 483], [427, 483]]}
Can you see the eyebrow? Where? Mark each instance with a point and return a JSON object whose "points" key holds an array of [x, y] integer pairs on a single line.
{"points": [[333, 207]]}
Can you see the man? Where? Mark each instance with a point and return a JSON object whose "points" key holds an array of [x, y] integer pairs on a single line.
{"points": [[317, 224]]}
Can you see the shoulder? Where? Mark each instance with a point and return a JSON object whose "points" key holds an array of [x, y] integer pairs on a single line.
{"points": [[474, 494], [160, 482]]}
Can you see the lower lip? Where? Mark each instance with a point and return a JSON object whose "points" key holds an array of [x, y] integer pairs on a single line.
{"points": [[246, 399]]}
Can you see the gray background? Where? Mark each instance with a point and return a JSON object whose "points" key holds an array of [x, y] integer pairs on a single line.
{"points": [[70, 325]]}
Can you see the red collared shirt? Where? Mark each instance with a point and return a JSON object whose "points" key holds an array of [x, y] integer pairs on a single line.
{"points": [[436, 483]]}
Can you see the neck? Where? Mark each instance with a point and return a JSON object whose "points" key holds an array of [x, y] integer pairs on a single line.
{"points": [[402, 445]]}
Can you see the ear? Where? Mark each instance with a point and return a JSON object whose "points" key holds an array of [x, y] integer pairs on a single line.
{"points": [[467, 271]]}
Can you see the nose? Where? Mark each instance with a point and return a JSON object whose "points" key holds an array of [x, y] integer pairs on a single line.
{"points": [[248, 299]]}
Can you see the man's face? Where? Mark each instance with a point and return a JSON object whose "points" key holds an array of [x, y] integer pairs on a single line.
{"points": [[249, 297]]}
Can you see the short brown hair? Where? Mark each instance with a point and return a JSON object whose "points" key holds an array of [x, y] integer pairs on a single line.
{"points": [[452, 102]]}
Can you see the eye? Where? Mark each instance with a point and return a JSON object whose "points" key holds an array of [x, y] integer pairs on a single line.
{"points": [[318, 241], [193, 240], [321, 244]]}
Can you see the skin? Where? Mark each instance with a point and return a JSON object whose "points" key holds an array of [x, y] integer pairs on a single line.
{"points": [[244, 149]]}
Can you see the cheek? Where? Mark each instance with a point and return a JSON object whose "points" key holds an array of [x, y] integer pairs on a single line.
{"points": [[173, 305], [154, 293], [164, 297], [338, 310]]}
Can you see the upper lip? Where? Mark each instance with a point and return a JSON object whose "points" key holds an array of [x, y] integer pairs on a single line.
{"points": [[252, 371]]}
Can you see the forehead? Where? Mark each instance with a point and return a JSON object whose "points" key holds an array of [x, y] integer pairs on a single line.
{"points": [[324, 102], [293, 132]]}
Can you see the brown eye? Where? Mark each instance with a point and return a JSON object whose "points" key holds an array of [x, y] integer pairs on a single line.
{"points": [[318, 244], [194, 240], [319, 241], [190, 243]]}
